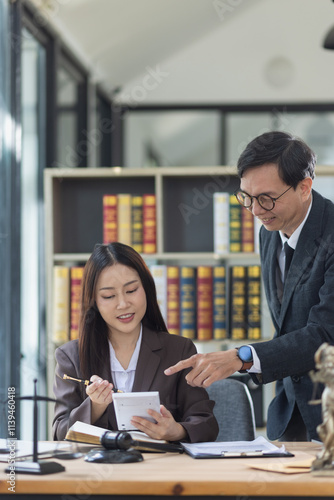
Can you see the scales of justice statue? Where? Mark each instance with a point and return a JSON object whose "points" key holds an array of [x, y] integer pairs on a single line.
{"points": [[324, 373], [37, 466]]}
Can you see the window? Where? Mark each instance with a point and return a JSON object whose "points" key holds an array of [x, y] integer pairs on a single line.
{"points": [[72, 148], [33, 117], [216, 135], [172, 138], [8, 356], [100, 137]]}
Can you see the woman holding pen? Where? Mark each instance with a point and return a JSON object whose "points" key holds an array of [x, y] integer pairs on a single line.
{"points": [[123, 343]]}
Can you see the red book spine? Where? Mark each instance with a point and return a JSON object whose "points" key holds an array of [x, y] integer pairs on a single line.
{"points": [[109, 218], [75, 283], [149, 223], [204, 303], [173, 299]]}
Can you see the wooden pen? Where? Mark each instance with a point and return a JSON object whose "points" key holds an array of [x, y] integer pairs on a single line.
{"points": [[82, 381]]}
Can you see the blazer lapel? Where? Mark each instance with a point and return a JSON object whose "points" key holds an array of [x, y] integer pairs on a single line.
{"points": [[147, 366], [304, 253], [148, 361], [275, 293], [106, 375]]}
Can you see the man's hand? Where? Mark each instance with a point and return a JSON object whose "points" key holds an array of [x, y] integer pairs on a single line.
{"points": [[208, 368]]}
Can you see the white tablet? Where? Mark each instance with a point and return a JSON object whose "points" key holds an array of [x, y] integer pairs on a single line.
{"points": [[131, 404]]}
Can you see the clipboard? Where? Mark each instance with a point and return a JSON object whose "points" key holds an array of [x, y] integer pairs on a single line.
{"points": [[257, 448]]}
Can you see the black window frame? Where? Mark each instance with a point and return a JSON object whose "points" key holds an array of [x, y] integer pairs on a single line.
{"points": [[122, 110]]}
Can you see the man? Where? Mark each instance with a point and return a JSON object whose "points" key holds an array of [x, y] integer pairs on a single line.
{"points": [[276, 172]]}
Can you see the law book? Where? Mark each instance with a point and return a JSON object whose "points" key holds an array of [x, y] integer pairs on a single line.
{"points": [[137, 222], [221, 223], [159, 273], [204, 303], [247, 230], [235, 224], [124, 218], [173, 299], [219, 303], [109, 218], [188, 302], [149, 224], [76, 273], [238, 319], [81, 432], [61, 304], [254, 302]]}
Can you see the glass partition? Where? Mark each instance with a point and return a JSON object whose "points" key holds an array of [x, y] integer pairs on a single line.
{"points": [[6, 148], [33, 112], [71, 104], [316, 129], [172, 138]]}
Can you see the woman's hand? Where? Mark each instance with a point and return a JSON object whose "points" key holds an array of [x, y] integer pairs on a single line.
{"points": [[164, 428], [99, 391], [100, 394]]}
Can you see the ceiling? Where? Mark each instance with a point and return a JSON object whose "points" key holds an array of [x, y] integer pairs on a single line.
{"points": [[118, 38], [208, 50]]}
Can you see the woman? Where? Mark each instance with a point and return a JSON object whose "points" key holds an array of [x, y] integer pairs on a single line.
{"points": [[123, 342]]}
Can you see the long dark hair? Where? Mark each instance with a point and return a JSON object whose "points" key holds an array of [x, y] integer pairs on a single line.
{"points": [[93, 331]]}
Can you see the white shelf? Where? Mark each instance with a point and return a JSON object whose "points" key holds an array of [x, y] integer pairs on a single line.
{"points": [[176, 256]]}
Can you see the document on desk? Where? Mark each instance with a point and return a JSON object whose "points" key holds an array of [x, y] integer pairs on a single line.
{"points": [[259, 447]]}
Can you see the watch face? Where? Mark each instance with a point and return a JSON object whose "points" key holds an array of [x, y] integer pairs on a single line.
{"points": [[245, 354]]}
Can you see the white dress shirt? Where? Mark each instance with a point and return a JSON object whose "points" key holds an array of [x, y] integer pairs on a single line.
{"points": [[123, 379]]}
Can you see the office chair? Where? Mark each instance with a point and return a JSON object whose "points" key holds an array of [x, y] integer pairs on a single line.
{"points": [[233, 410]]}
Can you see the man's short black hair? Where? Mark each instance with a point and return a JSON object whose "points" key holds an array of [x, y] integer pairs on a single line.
{"points": [[294, 159]]}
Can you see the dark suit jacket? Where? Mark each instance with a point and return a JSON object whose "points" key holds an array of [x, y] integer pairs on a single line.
{"points": [[304, 319], [190, 406]]}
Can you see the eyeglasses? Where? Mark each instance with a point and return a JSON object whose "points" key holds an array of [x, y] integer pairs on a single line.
{"points": [[264, 200]]}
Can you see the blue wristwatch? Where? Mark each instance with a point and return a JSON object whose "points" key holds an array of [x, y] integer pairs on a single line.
{"points": [[245, 354]]}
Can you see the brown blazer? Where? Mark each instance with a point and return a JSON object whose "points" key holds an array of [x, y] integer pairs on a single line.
{"points": [[190, 406]]}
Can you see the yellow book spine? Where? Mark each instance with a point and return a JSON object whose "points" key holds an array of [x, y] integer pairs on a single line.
{"points": [[61, 304]]}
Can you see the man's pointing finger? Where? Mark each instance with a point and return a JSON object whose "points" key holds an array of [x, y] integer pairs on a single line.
{"points": [[181, 365]]}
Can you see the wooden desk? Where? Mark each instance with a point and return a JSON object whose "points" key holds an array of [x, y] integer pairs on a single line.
{"points": [[161, 475]]}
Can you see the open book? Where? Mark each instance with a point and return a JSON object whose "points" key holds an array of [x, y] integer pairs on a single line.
{"points": [[91, 434]]}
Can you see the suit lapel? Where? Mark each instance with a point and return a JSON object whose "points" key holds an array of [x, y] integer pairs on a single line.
{"points": [[147, 366], [304, 254], [275, 294], [148, 361]]}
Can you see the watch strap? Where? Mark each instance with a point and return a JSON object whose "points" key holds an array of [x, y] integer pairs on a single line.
{"points": [[246, 365]]}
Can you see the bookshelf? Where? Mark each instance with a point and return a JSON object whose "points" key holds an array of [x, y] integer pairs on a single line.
{"points": [[184, 225], [184, 214]]}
